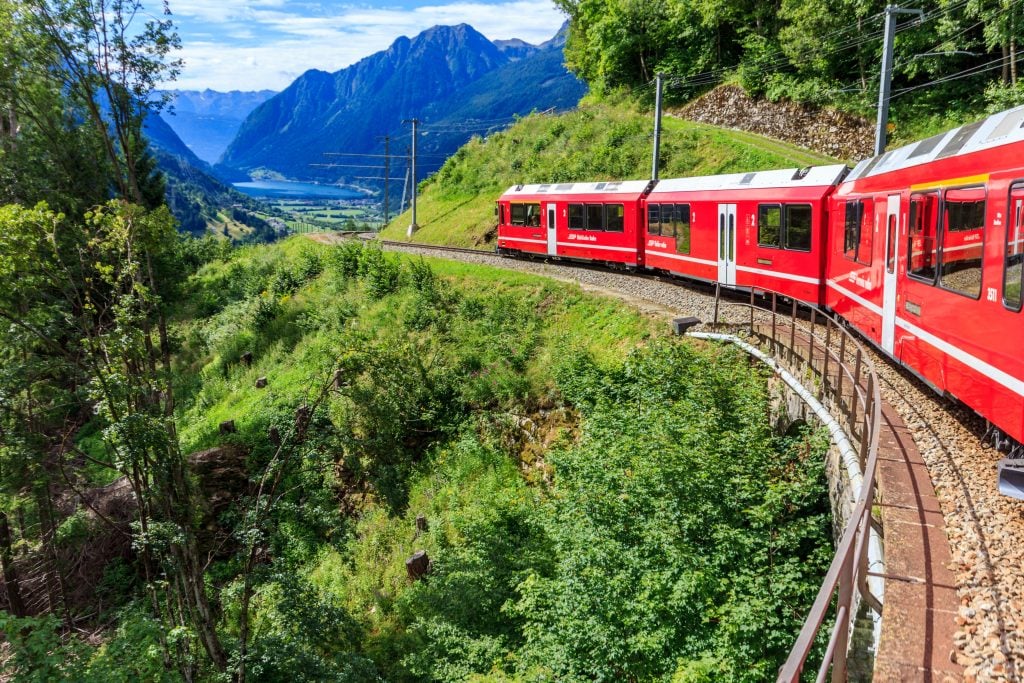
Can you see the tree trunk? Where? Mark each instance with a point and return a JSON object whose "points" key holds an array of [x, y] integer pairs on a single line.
{"points": [[192, 578], [14, 600]]}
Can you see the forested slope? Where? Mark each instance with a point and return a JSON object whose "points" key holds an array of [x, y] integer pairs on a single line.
{"points": [[952, 63]]}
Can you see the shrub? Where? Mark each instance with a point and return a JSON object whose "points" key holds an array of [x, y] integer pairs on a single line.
{"points": [[381, 275]]}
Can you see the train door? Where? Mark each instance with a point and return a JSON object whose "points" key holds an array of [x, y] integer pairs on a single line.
{"points": [[727, 244], [552, 232], [892, 231]]}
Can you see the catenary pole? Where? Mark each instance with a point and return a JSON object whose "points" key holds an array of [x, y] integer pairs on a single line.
{"points": [[657, 130], [405, 189], [387, 177], [413, 227], [886, 80]]}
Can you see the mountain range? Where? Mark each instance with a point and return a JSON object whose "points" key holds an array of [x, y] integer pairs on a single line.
{"points": [[452, 78], [194, 194], [207, 120]]}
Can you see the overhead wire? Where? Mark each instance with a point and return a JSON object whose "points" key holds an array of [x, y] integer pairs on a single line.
{"points": [[778, 59]]}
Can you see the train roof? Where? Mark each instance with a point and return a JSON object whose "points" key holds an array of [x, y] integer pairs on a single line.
{"points": [[815, 176], [624, 187], [999, 129]]}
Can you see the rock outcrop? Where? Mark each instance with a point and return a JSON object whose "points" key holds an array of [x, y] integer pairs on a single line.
{"points": [[825, 131]]}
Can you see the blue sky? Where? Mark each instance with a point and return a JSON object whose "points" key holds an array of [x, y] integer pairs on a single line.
{"points": [[257, 44]]}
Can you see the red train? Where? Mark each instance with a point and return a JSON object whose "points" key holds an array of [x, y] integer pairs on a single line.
{"points": [[920, 248]]}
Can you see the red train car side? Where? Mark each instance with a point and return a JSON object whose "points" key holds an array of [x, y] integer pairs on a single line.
{"points": [[582, 221], [925, 259], [745, 230], [921, 248]]}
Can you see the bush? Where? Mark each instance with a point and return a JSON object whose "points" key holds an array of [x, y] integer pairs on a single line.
{"points": [[343, 260], [381, 275]]}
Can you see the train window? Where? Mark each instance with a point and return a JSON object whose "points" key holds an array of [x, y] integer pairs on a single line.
{"points": [[499, 211], [533, 215], [922, 249], [858, 231], [890, 245], [963, 234], [681, 218], [577, 219], [519, 214], [769, 225], [653, 219], [615, 217], [1012, 271], [595, 216], [721, 236], [851, 229], [798, 227], [668, 228], [867, 231]]}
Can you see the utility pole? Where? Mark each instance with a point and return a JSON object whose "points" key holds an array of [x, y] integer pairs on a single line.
{"points": [[387, 177], [412, 225], [883, 91], [657, 130], [405, 190]]}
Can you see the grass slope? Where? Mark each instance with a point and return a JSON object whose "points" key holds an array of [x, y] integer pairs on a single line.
{"points": [[296, 338], [595, 142]]}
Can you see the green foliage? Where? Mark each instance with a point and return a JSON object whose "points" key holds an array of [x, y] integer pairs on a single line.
{"points": [[681, 509], [303, 635], [597, 506], [37, 651], [956, 63], [133, 651]]}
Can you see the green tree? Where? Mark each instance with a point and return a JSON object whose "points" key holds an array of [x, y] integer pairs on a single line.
{"points": [[105, 62]]}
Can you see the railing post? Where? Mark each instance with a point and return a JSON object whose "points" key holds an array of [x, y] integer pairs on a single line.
{"points": [[718, 295], [869, 410], [828, 354], [856, 389], [845, 599], [774, 315], [792, 332], [842, 366], [751, 311], [810, 352]]}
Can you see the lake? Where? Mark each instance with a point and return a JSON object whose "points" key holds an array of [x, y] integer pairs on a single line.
{"points": [[287, 189]]}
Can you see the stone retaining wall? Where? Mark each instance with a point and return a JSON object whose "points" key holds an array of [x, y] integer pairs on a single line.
{"points": [[825, 131], [786, 409]]}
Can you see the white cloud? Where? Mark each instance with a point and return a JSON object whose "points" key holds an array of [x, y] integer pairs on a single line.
{"points": [[264, 44]]}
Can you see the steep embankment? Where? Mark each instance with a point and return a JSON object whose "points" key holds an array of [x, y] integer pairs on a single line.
{"points": [[595, 142]]}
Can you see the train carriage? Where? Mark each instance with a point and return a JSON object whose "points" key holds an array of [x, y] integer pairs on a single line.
{"points": [[746, 230], [580, 221], [925, 259]]}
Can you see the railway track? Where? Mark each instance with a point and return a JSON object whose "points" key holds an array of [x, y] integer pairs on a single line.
{"points": [[985, 530]]}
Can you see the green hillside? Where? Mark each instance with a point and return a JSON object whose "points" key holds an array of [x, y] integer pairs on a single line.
{"points": [[599, 141]]}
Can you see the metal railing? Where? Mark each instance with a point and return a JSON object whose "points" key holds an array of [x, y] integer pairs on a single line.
{"points": [[817, 348]]}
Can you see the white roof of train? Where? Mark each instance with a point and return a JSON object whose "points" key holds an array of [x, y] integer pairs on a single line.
{"points": [[617, 186], [815, 176], [999, 129]]}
